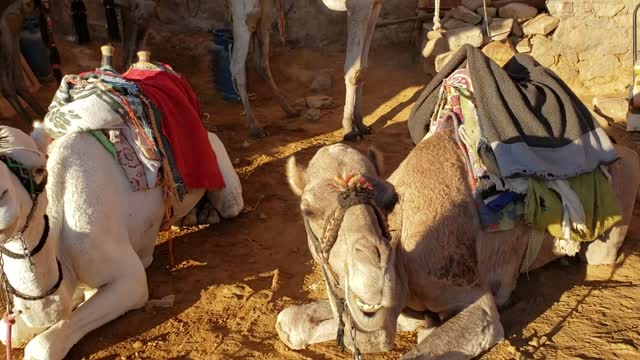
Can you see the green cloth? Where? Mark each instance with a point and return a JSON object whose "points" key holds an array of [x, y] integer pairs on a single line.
{"points": [[102, 138], [543, 209]]}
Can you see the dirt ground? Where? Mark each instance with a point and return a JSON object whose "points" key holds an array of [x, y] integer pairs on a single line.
{"points": [[231, 279]]}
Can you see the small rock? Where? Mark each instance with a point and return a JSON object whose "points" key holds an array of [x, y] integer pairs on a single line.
{"points": [[137, 345], [524, 46], [312, 114], [535, 342], [245, 144], [614, 108], [236, 161], [518, 12], [491, 12], [456, 24], [458, 37], [442, 59], [499, 51], [319, 101], [543, 340], [165, 302], [500, 28], [464, 14], [472, 4], [540, 25], [322, 81]]}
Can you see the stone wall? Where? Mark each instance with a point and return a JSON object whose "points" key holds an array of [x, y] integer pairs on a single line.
{"points": [[309, 22], [592, 47]]}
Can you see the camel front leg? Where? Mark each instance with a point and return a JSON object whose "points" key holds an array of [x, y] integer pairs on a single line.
{"points": [[32, 102], [268, 8], [363, 15], [127, 291], [245, 20], [17, 106], [302, 325], [473, 330]]}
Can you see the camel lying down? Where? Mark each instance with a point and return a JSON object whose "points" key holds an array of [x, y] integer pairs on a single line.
{"points": [[434, 268], [97, 237]]}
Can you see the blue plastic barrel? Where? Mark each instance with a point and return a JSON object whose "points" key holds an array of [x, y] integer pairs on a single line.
{"points": [[221, 59], [33, 49]]}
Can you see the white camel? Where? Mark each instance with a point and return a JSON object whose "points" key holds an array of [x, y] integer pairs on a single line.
{"points": [[98, 237], [250, 16]]}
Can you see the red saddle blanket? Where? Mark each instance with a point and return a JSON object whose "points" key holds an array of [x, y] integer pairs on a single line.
{"points": [[181, 124]]}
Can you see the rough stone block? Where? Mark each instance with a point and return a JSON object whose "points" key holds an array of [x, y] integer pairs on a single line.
{"points": [[442, 60], [500, 28], [542, 24], [472, 4], [458, 37], [524, 46], [560, 9], [603, 67], [464, 14], [543, 51], [491, 12], [456, 24], [518, 12], [499, 51], [612, 107]]}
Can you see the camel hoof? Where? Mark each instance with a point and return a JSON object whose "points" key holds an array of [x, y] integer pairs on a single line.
{"points": [[258, 133], [365, 130], [293, 113], [353, 136]]}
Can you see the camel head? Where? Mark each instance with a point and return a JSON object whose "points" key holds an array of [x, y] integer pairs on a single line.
{"points": [[20, 159], [344, 204]]}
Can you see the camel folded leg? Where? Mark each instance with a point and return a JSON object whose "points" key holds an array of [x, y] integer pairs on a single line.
{"points": [[473, 330], [363, 15], [126, 291], [268, 8], [302, 325]]}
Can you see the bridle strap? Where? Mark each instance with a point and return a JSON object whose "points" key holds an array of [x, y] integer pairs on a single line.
{"points": [[39, 246], [24, 296]]}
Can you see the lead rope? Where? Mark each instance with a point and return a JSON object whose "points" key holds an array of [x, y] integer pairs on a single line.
{"points": [[486, 18], [436, 16], [9, 318]]}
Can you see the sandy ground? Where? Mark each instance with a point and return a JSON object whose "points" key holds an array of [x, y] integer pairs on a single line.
{"points": [[232, 279]]}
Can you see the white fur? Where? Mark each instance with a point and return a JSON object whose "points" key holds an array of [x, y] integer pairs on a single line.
{"points": [[103, 234]]}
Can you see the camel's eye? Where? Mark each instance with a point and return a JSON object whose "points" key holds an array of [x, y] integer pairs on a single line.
{"points": [[308, 211]]}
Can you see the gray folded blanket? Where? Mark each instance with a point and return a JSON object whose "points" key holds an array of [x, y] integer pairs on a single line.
{"points": [[531, 123]]}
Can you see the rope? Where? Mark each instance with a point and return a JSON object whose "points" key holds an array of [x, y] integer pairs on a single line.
{"points": [[486, 18], [9, 320], [436, 16]]}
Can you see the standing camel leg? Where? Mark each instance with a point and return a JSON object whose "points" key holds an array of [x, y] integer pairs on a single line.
{"points": [[362, 21], [268, 13], [246, 16], [32, 102]]}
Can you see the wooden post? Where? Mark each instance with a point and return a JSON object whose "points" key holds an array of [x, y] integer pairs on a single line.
{"points": [[107, 55], [144, 56]]}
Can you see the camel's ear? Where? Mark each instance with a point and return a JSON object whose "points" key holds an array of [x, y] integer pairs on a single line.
{"points": [[296, 175], [375, 156]]}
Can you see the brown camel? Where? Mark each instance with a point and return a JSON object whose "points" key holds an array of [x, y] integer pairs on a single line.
{"points": [[434, 268]]}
